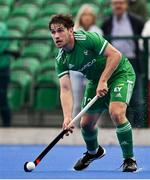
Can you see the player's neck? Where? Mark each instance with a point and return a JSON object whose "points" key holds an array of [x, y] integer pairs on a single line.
{"points": [[70, 45]]}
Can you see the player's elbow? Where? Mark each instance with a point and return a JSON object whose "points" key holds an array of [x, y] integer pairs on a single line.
{"points": [[118, 55], [65, 84], [65, 88], [112, 53]]}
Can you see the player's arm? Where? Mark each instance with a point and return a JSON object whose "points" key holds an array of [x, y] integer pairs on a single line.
{"points": [[113, 60], [101, 47], [66, 99]]}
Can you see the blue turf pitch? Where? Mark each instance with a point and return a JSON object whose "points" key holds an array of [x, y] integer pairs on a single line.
{"points": [[60, 160]]}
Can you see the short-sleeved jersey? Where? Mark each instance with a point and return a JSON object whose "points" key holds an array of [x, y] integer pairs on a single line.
{"points": [[87, 57]]}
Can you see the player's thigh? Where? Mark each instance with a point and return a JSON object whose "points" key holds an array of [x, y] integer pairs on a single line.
{"points": [[100, 105], [121, 89]]}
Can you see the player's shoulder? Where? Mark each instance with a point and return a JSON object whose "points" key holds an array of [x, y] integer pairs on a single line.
{"points": [[81, 35]]}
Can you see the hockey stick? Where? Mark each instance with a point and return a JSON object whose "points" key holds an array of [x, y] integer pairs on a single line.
{"points": [[29, 166]]}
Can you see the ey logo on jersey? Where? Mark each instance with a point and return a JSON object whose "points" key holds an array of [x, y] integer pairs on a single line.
{"points": [[117, 90]]}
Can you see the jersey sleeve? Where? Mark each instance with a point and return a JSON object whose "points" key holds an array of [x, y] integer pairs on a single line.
{"points": [[96, 42], [61, 66]]}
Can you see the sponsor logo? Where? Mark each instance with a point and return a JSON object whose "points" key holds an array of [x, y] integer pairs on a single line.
{"points": [[64, 60], [124, 143], [118, 95], [89, 161], [71, 66], [89, 64], [86, 52], [117, 89]]}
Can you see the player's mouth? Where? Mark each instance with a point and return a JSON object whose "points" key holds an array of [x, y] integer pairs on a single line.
{"points": [[58, 42]]}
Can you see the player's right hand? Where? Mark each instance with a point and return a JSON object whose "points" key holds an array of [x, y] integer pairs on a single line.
{"points": [[65, 126], [102, 89]]}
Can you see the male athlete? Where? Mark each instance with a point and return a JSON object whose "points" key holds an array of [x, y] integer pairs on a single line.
{"points": [[110, 76]]}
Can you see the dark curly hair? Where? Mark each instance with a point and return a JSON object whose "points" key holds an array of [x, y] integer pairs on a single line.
{"points": [[64, 19]]}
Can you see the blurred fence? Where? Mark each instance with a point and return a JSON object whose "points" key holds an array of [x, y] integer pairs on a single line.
{"points": [[33, 92]]}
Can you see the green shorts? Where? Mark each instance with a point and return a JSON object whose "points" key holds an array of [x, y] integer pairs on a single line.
{"points": [[119, 89]]}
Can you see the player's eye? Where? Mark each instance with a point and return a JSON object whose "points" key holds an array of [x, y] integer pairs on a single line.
{"points": [[60, 30], [53, 32]]}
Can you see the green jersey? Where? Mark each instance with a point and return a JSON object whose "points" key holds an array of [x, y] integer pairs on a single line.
{"points": [[87, 57]]}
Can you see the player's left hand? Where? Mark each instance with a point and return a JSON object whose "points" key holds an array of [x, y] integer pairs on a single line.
{"points": [[67, 126], [102, 89]]}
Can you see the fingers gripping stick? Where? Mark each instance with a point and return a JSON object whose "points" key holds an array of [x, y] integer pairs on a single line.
{"points": [[30, 166]]}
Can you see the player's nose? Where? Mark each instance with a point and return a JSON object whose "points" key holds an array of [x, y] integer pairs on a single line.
{"points": [[56, 35]]}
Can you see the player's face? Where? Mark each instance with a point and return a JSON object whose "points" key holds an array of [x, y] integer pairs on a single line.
{"points": [[60, 35]]}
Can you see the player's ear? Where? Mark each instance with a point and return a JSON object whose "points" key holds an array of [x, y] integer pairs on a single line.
{"points": [[71, 30]]}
